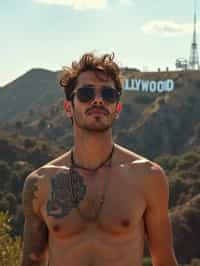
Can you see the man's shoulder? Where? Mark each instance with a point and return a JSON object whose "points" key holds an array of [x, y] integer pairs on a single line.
{"points": [[150, 167], [143, 165], [135, 159], [43, 174], [150, 170], [151, 175]]}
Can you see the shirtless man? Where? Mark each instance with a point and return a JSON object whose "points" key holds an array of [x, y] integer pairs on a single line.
{"points": [[94, 205]]}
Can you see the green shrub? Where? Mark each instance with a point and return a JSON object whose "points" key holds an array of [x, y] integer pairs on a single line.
{"points": [[10, 248]]}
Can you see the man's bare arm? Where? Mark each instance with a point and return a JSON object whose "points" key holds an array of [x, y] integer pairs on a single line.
{"points": [[35, 230], [158, 226]]}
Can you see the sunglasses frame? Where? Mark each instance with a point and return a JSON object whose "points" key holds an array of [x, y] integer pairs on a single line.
{"points": [[117, 94]]}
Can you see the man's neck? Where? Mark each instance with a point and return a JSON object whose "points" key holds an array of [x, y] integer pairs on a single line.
{"points": [[91, 151]]}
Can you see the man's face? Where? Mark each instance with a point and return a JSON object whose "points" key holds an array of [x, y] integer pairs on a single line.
{"points": [[96, 115]]}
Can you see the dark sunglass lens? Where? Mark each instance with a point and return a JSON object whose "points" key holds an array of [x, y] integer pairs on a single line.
{"points": [[85, 94], [110, 95]]}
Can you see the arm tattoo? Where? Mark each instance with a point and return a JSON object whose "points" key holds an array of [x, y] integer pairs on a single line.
{"points": [[35, 230], [67, 191], [30, 188]]}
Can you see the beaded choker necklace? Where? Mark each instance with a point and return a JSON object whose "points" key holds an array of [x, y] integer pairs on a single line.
{"points": [[75, 165]]}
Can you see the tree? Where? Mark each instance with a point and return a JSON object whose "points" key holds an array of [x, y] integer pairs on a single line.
{"points": [[4, 173], [10, 248], [42, 123], [18, 126], [29, 143]]}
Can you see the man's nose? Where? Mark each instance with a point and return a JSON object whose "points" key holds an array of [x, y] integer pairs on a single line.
{"points": [[97, 98]]}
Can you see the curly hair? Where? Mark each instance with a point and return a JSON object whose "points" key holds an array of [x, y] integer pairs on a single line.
{"points": [[99, 64]]}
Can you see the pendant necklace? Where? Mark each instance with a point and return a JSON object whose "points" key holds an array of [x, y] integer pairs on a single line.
{"points": [[74, 175]]}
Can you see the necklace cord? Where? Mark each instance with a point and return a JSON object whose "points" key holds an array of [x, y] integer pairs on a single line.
{"points": [[102, 199], [75, 165]]}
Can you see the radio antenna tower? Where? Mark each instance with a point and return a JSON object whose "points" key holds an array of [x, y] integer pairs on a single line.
{"points": [[194, 56]]}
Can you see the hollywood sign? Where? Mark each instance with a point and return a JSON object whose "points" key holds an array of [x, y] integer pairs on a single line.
{"points": [[149, 85]]}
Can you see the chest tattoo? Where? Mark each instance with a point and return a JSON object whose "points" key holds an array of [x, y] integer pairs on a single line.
{"points": [[67, 191]]}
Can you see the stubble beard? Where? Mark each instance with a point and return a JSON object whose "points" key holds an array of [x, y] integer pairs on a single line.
{"points": [[95, 127]]}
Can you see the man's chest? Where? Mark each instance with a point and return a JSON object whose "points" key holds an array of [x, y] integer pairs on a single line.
{"points": [[114, 202]]}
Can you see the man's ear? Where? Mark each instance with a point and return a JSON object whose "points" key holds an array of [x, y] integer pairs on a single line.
{"points": [[119, 107], [118, 110], [68, 108]]}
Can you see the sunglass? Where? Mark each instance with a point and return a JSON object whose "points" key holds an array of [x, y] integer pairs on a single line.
{"points": [[87, 94]]}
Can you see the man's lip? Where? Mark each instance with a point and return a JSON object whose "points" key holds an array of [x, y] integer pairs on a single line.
{"points": [[95, 111]]}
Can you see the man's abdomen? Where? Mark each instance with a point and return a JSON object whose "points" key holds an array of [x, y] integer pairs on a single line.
{"points": [[95, 247]]}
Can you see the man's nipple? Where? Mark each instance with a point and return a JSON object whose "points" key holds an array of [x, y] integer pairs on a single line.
{"points": [[125, 223], [56, 228]]}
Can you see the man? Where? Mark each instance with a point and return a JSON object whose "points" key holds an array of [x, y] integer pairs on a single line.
{"points": [[94, 205]]}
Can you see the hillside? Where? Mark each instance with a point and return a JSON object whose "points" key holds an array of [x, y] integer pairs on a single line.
{"points": [[34, 90], [170, 123], [186, 220], [150, 123]]}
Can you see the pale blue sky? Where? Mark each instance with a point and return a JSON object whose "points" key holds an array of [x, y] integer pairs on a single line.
{"points": [[51, 33]]}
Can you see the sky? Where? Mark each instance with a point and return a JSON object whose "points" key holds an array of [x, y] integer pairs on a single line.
{"points": [[50, 34]]}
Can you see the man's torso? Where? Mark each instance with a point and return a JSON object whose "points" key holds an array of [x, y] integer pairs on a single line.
{"points": [[116, 236]]}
